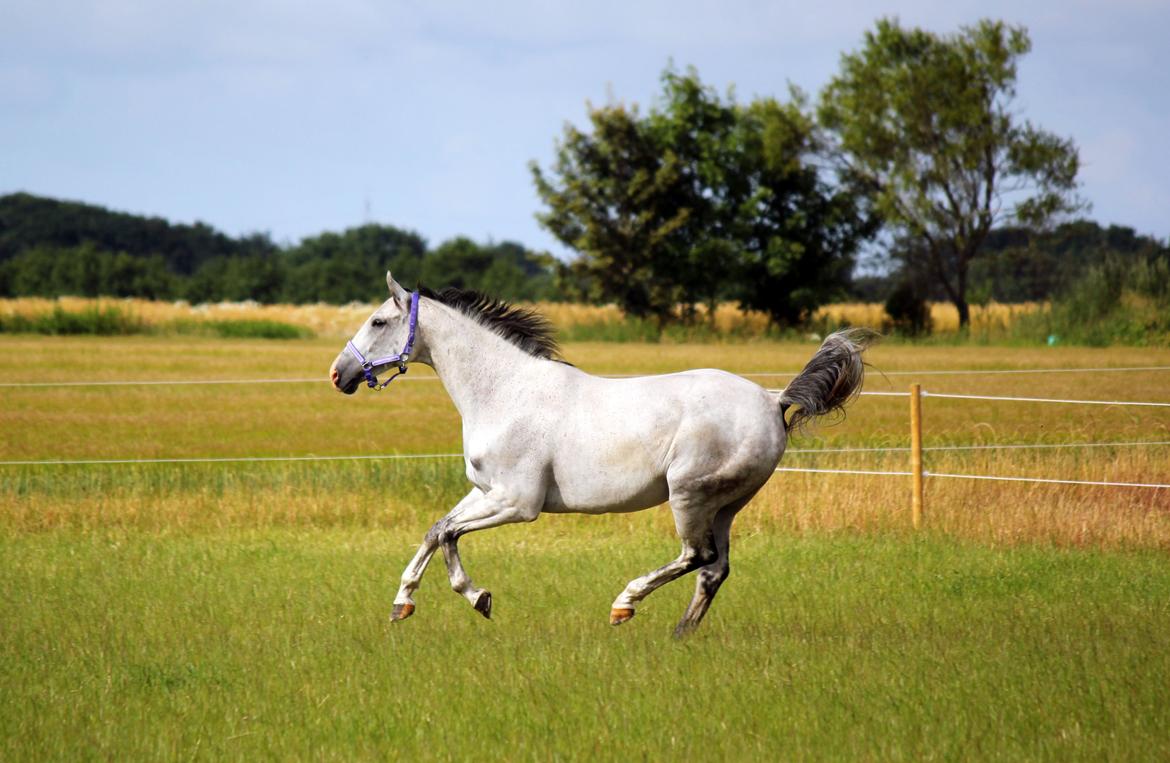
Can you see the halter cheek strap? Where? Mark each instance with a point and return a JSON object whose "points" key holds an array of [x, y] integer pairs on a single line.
{"points": [[400, 359]]}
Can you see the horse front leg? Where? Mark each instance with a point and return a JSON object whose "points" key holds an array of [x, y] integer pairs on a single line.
{"points": [[492, 509], [412, 575]]}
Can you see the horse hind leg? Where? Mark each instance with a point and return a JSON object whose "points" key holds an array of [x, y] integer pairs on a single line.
{"points": [[711, 576], [694, 555], [693, 523]]}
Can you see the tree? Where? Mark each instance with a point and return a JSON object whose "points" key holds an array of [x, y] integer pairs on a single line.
{"points": [[701, 200], [84, 271], [927, 123], [794, 232], [336, 267], [506, 270], [613, 196]]}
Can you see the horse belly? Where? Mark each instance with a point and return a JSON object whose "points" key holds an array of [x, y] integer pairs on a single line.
{"points": [[618, 479], [605, 497]]}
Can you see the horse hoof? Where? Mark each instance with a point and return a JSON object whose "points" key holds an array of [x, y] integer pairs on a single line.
{"points": [[617, 615], [401, 612], [483, 604]]}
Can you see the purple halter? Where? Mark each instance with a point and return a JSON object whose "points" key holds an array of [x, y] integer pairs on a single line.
{"points": [[401, 358]]}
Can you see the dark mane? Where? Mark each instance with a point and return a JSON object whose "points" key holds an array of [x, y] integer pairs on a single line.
{"points": [[527, 329]]}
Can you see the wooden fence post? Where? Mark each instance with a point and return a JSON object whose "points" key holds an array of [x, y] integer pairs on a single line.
{"points": [[916, 454]]}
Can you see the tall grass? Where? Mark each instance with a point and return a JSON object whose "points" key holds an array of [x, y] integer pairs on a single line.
{"points": [[1117, 302], [100, 319], [574, 322], [239, 328], [412, 494], [96, 320]]}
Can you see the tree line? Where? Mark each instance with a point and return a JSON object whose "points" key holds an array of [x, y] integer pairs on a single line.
{"points": [[915, 155], [50, 247]]}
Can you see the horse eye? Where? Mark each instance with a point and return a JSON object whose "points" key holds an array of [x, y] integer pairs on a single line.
{"points": [[377, 323]]}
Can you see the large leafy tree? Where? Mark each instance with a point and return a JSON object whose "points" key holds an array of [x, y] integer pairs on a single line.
{"points": [[505, 269], [614, 195], [793, 231], [700, 200], [929, 124]]}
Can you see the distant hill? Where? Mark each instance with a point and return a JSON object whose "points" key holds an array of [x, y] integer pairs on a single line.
{"points": [[1021, 265], [50, 248], [28, 221]]}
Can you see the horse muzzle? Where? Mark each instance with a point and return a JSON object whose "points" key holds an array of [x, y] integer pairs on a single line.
{"points": [[344, 374]]}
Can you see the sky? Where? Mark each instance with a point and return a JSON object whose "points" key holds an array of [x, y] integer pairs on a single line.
{"points": [[292, 117]]}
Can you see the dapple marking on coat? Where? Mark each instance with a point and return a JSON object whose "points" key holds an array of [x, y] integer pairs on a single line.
{"points": [[540, 435]]}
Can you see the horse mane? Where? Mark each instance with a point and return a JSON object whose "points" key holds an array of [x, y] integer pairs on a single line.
{"points": [[527, 329]]}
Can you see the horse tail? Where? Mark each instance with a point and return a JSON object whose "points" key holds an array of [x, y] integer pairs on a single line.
{"points": [[830, 381]]}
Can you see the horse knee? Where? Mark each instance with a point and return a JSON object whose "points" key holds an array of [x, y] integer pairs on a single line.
{"points": [[713, 575], [704, 556], [434, 536]]}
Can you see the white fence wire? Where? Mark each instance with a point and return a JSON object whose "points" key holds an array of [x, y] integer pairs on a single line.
{"points": [[322, 380], [999, 478], [418, 456], [806, 451]]}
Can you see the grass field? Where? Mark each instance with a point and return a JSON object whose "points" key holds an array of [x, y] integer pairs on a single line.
{"points": [[239, 609]]}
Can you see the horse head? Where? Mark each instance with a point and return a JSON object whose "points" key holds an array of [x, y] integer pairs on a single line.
{"points": [[386, 339]]}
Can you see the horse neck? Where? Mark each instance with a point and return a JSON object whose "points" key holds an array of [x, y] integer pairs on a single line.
{"points": [[472, 361]]}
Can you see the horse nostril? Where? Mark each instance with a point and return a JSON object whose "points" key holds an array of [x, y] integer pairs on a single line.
{"points": [[334, 376]]}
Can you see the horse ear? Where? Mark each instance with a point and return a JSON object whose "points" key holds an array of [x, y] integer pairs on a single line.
{"points": [[399, 294]]}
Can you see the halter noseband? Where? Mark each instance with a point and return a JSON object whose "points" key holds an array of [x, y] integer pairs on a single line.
{"points": [[401, 358]]}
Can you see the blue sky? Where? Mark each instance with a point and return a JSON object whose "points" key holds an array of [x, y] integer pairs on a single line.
{"points": [[296, 117]]}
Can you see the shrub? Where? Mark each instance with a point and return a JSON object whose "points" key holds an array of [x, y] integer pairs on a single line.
{"points": [[1117, 302], [100, 321], [908, 311], [258, 329]]}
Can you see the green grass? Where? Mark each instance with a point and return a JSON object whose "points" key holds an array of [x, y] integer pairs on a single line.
{"points": [[187, 611], [114, 321], [275, 644], [96, 321], [240, 328]]}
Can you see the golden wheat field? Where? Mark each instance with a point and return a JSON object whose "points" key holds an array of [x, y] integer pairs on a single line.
{"points": [[336, 321]]}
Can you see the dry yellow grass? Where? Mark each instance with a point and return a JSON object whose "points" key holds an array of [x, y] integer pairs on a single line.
{"points": [[943, 315], [322, 319], [340, 320], [415, 416]]}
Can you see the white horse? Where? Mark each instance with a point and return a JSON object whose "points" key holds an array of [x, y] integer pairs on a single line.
{"points": [[540, 435]]}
